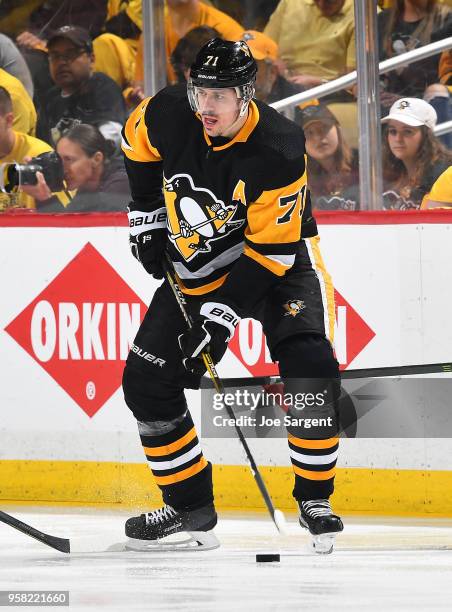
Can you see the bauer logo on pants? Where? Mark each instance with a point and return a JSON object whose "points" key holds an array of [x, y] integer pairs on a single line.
{"points": [[80, 328]]}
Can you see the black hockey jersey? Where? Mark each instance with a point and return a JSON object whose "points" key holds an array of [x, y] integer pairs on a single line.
{"points": [[227, 201]]}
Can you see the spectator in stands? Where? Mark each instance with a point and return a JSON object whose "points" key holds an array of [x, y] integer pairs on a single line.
{"points": [[17, 147], [252, 15], [441, 194], [316, 39], [182, 16], [93, 167], [115, 50], [187, 48], [407, 25], [270, 84], [413, 158], [79, 93], [332, 166], [12, 62], [51, 15], [23, 108], [15, 15]]}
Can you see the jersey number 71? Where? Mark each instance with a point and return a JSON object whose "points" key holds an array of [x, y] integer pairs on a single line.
{"points": [[290, 203]]}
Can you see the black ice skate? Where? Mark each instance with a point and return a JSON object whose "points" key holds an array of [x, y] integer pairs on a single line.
{"points": [[155, 530], [316, 516]]}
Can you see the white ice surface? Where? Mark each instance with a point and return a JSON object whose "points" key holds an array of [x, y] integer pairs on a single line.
{"points": [[378, 564]]}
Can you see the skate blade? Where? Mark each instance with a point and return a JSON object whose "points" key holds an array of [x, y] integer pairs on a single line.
{"points": [[323, 544], [184, 541]]}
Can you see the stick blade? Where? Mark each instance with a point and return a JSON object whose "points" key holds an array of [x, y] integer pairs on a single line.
{"points": [[61, 544], [280, 521]]}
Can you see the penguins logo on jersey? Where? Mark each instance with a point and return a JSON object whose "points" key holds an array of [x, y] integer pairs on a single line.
{"points": [[293, 307], [195, 216]]}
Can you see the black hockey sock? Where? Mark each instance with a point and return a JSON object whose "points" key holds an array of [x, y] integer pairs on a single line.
{"points": [[179, 467], [314, 466]]}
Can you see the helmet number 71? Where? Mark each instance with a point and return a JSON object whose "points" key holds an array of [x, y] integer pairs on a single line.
{"points": [[211, 60]]}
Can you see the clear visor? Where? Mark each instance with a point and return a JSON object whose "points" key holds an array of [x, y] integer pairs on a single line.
{"points": [[216, 102]]}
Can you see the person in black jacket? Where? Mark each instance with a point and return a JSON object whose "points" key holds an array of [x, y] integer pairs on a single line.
{"points": [[79, 93]]}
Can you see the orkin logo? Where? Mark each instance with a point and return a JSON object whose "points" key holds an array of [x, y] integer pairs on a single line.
{"points": [[352, 335], [80, 328]]}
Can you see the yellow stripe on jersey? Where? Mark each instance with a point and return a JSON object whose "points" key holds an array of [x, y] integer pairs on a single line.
{"points": [[274, 266], [326, 286], [135, 143], [207, 288]]}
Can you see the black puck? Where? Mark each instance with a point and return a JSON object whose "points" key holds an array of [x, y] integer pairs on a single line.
{"points": [[267, 558]]}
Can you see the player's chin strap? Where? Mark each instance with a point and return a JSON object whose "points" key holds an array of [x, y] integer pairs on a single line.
{"points": [[276, 515]]}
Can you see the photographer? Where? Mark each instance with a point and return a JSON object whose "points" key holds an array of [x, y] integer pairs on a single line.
{"points": [[16, 147], [92, 167]]}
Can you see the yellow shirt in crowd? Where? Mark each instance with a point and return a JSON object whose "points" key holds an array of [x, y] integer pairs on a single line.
{"points": [[23, 107], [310, 43], [441, 191], [131, 7]]}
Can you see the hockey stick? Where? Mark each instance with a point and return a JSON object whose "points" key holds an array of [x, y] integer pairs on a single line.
{"points": [[81, 544], [277, 515], [61, 544], [409, 370]]}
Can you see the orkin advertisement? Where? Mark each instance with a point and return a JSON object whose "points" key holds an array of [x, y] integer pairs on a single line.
{"points": [[80, 328], [86, 305]]}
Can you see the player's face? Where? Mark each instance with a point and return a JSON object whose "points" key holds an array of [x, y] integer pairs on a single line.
{"points": [[80, 170], [219, 110], [404, 140], [69, 65], [322, 140], [329, 7]]}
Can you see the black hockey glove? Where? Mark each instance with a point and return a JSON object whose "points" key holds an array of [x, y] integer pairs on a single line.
{"points": [[148, 239], [211, 332]]}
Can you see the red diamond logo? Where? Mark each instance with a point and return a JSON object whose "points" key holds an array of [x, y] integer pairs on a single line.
{"points": [[80, 327], [352, 336]]}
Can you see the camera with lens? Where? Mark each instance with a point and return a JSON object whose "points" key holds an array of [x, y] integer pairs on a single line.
{"points": [[49, 164]]}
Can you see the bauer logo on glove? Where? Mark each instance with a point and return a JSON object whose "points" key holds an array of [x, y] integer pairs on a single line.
{"points": [[210, 332]]}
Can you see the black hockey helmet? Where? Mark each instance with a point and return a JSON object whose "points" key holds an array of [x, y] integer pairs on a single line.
{"points": [[224, 63]]}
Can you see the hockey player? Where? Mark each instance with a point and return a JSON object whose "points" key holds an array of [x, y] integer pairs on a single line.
{"points": [[235, 217]]}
